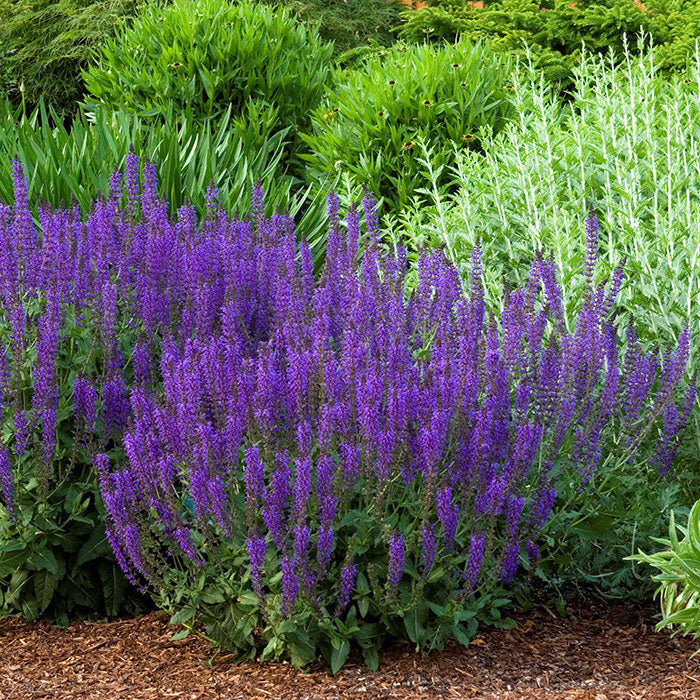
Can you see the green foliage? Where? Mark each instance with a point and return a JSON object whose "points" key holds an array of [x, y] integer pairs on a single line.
{"points": [[371, 126], [62, 164], [204, 57], [55, 560], [592, 531], [554, 30], [45, 45], [626, 144], [423, 611], [679, 577], [348, 23]]}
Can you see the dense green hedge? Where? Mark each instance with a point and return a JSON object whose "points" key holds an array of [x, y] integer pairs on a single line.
{"points": [[45, 44], [555, 29]]}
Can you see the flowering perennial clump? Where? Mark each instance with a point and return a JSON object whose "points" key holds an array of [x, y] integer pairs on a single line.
{"points": [[282, 447]]}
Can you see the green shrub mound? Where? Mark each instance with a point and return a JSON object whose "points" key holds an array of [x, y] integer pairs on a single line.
{"points": [[372, 126], [202, 57], [46, 44], [555, 29]]}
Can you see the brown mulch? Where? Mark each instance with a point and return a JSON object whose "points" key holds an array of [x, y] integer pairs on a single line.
{"points": [[595, 653]]}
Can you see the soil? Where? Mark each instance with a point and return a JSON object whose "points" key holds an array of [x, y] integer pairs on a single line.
{"points": [[594, 653]]}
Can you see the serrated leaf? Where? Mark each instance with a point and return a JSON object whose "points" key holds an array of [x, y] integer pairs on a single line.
{"points": [[44, 586], [44, 559], [96, 546]]}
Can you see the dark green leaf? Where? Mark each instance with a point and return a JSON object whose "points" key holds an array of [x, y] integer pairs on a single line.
{"points": [[96, 546], [371, 658], [114, 586], [44, 586]]}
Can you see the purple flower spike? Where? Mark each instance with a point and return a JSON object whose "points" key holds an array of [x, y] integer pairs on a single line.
{"points": [[290, 585], [256, 554], [7, 484], [448, 515], [347, 582], [509, 564], [476, 555], [429, 547], [533, 553], [396, 554], [85, 401], [21, 434]]}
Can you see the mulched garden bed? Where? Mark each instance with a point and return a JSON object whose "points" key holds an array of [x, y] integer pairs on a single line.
{"points": [[597, 652]]}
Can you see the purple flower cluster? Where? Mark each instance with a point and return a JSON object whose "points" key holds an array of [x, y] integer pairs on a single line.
{"points": [[341, 390], [308, 397]]}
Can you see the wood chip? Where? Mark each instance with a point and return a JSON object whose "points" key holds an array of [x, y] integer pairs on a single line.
{"points": [[597, 652]]}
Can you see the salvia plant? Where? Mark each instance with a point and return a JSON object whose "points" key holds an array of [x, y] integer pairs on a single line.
{"points": [[306, 463]]}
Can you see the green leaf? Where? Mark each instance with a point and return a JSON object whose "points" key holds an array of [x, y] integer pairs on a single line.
{"points": [[182, 616], [10, 564], [96, 546], [44, 559], [461, 635], [414, 628], [13, 546], [44, 586], [301, 655], [339, 656], [464, 615], [113, 586], [213, 595], [363, 606], [507, 623], [179, 635], [29, 608], [371, 658]]}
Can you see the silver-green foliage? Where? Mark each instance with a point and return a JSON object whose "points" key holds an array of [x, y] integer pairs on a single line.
{"points": [[679, 577], [628, 142]]}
